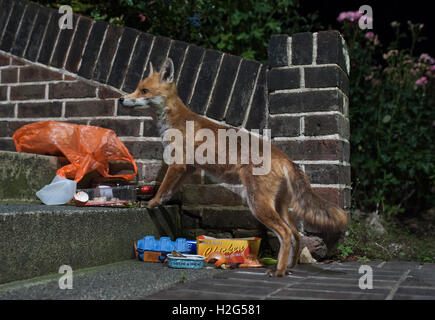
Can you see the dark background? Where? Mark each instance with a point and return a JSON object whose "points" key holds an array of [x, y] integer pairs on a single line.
{"points": [[384, 12]]}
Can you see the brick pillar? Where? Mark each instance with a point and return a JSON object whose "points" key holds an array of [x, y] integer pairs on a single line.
{"points": [[308, 88]]}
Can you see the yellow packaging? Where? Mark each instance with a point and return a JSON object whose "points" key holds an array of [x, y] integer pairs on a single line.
{"points": [[236, 249]]}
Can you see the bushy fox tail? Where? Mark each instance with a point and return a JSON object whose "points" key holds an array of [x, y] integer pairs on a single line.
{"points": [[317, 214]]}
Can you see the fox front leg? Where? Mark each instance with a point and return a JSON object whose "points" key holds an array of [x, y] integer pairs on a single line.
{"points": [[172, 180]]}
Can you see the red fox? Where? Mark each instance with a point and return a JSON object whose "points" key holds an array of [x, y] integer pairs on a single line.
{"points": [[269, 195]]}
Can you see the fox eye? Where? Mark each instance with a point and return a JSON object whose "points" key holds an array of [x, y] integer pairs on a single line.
{"points": [[144, 91]]}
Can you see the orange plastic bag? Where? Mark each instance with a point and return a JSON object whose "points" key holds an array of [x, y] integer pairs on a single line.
{"points": [[87, 148]]}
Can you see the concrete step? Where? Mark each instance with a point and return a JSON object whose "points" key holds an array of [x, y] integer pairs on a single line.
{"points": [[37, 239], [22, 174], [129, 279]]}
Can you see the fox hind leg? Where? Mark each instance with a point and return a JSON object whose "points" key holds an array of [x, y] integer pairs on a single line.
{"points": [[265, 212]]}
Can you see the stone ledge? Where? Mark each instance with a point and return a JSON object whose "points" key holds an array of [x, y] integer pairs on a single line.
{"points": [[37, 239]]}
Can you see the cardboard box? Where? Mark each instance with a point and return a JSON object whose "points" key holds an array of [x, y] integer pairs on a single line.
{"points": [[236, 249]]}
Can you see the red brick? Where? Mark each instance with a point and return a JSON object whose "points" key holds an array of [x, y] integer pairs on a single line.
{"points": [[78, 89], [121, 127], [17, 62], [8, 128], [9, 75], [315, 149], [106, 93], [40, 110], [145, 149], [35, 73], [7, 144], [29, 92], [7, 110], [153, 171], [89, 108], [3, 93], [4, 60]]}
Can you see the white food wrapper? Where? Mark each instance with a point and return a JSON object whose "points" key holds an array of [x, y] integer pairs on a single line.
{"points": [[59, 191]]}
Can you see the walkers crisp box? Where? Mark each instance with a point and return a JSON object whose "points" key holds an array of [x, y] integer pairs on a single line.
{"points": [[236, 249]]}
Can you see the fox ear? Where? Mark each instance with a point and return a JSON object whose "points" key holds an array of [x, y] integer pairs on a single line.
{"points": [[167, 71], [150, 67]]}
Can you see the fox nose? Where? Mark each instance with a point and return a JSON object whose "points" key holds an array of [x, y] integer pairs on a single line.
{"points": [[121, 100]]}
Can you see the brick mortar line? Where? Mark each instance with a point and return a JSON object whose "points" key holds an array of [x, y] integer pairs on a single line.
{"points": [[336, 162], [79, 118], [35, 83], [147, 60], [310, 66], [140, 139], [50, 14], [314, 58], [71, 42], [93, 99], [114, 56], [85, 45], [55, 41], [31, 30], [289, 50], [191, 93], [230, 96], [304, 114], [291, 284], [301, 78], [248, 109], [396, 286], [186, 50], [308, 138], [62, 71], [7, 21], [26, 5], [332, 185], [97, 58], [300, 90], [129, 61], [214, 84]]}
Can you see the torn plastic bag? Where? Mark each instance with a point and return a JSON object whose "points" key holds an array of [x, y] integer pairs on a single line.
{"points": [[59, 191], [87, 148]]}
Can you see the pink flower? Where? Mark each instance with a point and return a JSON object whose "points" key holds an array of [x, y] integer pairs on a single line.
{"points": [[369, 35], [421, 82], [342, 16], [420, 26], [349, 15], [424, 57], [142, 17]]}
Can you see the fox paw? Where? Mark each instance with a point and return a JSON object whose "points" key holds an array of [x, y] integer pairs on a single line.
{"points": [[152, 203], [274, 272]]}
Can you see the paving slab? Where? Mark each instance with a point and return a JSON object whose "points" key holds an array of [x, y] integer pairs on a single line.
{"points": [[391, 280], [133, 279]]}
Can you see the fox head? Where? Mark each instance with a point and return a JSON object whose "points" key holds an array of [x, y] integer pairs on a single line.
{"points": [[153, 91]]}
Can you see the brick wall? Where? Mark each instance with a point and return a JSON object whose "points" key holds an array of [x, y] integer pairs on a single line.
{"points": [[309, 108], [77, 75]]}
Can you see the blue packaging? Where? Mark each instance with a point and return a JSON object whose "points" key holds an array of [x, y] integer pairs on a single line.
{"points": [[165, 245]]}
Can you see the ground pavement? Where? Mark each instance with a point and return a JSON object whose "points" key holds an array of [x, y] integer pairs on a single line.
{"points": [[133, 279]]}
